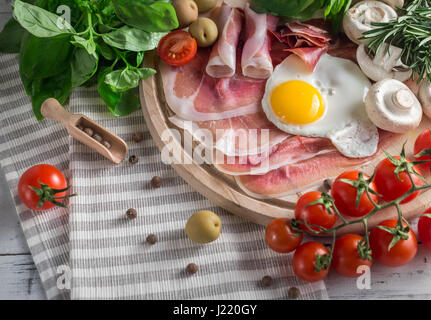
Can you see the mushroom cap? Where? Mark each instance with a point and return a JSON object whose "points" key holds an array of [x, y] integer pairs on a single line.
{"points": [[394, 3], [425, 97], [393, 107], [385, 65], [358, 18]]}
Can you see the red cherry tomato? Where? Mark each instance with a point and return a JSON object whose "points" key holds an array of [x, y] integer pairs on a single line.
{"points": [[46, 174], [314, 214], [304, 261], [345, 258], [177, 48], [280, 237], [345, 194], [423, 142], [389, 186], [424, 229], [400, 254]]}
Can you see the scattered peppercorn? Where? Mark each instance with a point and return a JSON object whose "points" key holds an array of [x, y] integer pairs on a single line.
{"points": [[156, 182], [133, 159], [97, 137], [293, 293], [80, 127], [267, 281], [106, 144], [152, 239], [138, 137], [131, 213], [192, 268], [327, 184], [89, 131]]}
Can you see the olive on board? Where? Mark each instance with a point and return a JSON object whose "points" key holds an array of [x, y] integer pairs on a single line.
{"points": [[186, 10], [206, 5], [203, 227], [205, 32]]}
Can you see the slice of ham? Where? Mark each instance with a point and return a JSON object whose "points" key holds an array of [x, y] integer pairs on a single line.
{"points": [[291, 150], [291, 178], [222, 62], [193, 95], [310, 55], [237, 136], [256, 60]]}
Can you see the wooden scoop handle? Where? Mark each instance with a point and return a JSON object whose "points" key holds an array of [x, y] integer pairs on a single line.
{"points": [[52, 109]]}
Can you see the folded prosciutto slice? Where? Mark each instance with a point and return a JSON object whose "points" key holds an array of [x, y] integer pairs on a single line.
{"points": [[222, 62], [193, 95], [290, 178], [237, 136], [256, 60], [290, 150]]}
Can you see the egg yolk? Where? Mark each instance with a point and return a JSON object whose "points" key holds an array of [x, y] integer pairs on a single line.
{"points": [[297, 102]]}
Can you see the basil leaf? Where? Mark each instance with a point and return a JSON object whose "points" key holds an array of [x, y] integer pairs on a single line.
{"points": [[40, 22], [43, 57], [119, 103], [298, 9], [147, 15], [83, 66], [132, 39], [10, 37], [125, 79], [88, 45], [105, 50]]}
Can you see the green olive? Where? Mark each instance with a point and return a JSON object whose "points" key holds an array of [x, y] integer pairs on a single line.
{"points": [[203, 227], [186, 10], [205, 32], [205, 5]]}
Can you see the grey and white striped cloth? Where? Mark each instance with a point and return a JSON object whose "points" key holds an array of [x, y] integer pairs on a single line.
{"points": [[106, 252]]}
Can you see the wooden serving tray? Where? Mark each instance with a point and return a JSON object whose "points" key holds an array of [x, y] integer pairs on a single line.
{"points": [[222, 189]]}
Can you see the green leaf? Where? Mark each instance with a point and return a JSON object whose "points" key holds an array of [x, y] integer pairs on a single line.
{"points": [[40, 22], [83, 66], [10, 37], [298, 9], [43, 57], [132, 39], [88, 45], [147, 15], [125, 79], [106, 51]]}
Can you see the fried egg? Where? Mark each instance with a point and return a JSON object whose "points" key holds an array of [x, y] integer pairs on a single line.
{"points": [[327, 103]]}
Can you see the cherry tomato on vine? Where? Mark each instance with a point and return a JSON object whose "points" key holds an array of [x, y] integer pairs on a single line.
{"points": [[311, 261], [280, 236], [345, 195], [346, 259], [400, 254], [51, 179], [424, 228], [389, 186], [177, 48], [423, 142], [315, 214]]}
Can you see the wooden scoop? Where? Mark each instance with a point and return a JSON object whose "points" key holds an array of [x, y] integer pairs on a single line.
{"points": [[117, 150]]}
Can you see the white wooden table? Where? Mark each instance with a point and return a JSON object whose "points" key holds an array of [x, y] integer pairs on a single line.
{"points": [[19, 278]]}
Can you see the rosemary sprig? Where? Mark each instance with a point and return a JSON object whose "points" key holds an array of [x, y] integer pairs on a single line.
{"points": [[411, 31]]}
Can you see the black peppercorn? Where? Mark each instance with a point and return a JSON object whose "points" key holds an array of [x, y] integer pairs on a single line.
{"points": [[131, 213], [156, 182], [152, 239], [192, 268], [293, 293], [137, 137], [133, 159], [267, 281]]}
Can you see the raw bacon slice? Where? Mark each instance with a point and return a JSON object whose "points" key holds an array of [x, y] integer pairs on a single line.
{"points": [[293, 177], [238, 136], [291, 150], [256, 60], [222, 62], [193, 95]]}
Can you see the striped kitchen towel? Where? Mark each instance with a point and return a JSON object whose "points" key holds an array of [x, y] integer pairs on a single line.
{"points": [[107, 253]]}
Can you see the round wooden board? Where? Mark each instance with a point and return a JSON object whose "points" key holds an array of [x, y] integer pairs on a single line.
{"points": [[222, 189]]}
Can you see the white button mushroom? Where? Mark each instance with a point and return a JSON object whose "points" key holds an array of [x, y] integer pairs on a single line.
{"points": [[386, 64], [425, 97], [393, 107], [395, 3], [358, 18]]}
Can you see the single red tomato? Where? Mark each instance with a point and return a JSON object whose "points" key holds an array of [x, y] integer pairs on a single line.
{"points": [[389, 186], [345, 195], [423, 142], [346, 258], [46, 174], [400, 254], [424, 228], [280, 236], [177, 48], [305, 261], [315, 214]]}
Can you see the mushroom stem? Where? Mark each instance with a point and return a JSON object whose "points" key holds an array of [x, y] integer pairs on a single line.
{"points": [[403, 99]]}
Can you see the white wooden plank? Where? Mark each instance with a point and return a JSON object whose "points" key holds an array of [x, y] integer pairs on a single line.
{"points": [[19, 279]]}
